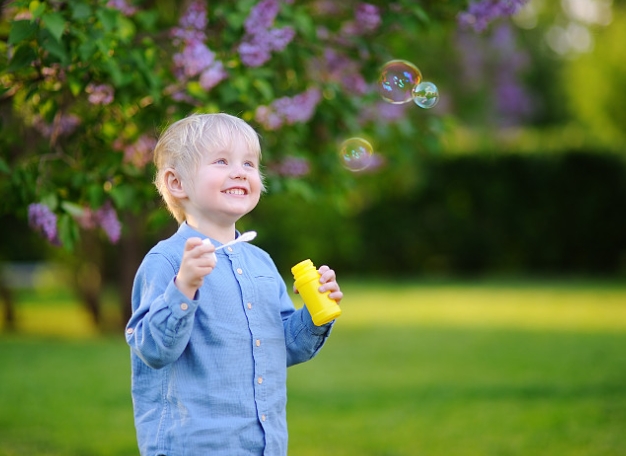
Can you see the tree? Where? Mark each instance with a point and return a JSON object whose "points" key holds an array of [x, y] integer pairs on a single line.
{"points": [[86, 86]]}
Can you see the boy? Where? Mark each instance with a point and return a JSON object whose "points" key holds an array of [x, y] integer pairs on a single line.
{"points": [[212, 333]]}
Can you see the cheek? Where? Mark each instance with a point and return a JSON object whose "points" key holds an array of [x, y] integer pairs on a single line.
{"points": [[256, 182]]}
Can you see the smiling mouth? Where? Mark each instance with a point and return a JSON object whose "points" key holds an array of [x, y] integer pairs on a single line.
{"points": [[235, 191]]}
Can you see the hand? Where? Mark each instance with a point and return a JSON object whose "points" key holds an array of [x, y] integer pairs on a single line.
{"points": [[328, 280], [197, 262]]}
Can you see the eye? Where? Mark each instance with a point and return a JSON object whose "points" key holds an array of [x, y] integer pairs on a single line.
{"points": [[250, 164], [220, 161]]}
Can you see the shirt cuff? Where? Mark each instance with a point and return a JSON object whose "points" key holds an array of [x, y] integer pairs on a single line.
{"points": [[307, 321], [180, 305]]}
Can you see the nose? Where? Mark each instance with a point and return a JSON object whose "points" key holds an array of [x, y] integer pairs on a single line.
{"points": [[238, 172]]}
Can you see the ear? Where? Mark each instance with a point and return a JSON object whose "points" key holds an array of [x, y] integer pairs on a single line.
{"points": [[174, 183]]}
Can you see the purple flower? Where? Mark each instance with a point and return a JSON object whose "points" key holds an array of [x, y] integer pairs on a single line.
{"points": [[289, 110], [213, 75], [192, 24], [335, 67], [292, 167], [253, 54], [61, 126], [100, 94], [367, 17], [195, 16], [260, 39], [194, 59], [261, 17], [42, 219], [123, 6], [479, 14], [140, 152], [383, 112], [108, 221], [105, 217]]}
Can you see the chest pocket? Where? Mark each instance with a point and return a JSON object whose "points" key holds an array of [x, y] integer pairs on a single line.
{"points": [[267, 304]]}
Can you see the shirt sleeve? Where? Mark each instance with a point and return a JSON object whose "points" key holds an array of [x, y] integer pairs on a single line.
{"points": [[302, 338], [162, 318]]}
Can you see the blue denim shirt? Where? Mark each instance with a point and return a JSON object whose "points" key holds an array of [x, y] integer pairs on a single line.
{"points": [[209, 374]]}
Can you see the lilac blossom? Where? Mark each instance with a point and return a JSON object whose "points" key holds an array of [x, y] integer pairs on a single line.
{"points": [[43, 220], [123, 6], [289, 110], [367, 17], [481, 13], [261, 17], [260, 39], [383, 112], [63, 125], [335, 67], [496, 62], [105, 217], [292, 167], [195, 58], [100, 94], [140, 152]]}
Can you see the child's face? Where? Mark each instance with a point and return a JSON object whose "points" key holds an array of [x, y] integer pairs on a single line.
{"points": [[226, 186]]}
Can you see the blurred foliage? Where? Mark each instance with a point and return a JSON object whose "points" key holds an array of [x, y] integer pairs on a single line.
{"points": [[517, 168], [68, 149], [471, 215]]}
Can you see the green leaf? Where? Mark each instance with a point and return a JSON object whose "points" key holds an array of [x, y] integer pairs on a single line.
{"points": [[95, 194], [68, 231], [123, 196], [56, 48], [80, 11], [51, 201], [21, 31], [23, 57], [116, 73], [126, 28], [108, 18], [72, 209], [265, 88], [55, 24], [195, 90], [86, 50], [75, 85], [36, 8], [4, 167], [147, 19]]}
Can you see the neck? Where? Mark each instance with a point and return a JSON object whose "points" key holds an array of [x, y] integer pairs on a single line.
{"points": [[220, 233]]}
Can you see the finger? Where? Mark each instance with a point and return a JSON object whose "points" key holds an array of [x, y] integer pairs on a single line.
{"points": [[327, 274], [192, 243], [329, 286], [336, 295]]}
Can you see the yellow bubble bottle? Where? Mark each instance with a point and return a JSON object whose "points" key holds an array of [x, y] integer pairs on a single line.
{"points": [[307, 281]]}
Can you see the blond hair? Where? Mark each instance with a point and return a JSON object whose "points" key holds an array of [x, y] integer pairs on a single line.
{"points": [[182, 145]]}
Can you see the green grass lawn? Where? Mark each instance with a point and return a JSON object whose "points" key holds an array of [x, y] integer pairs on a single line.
{"points": [[519, 368]]}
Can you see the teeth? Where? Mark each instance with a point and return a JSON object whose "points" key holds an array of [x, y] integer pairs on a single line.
{"points": [[235, 191]]}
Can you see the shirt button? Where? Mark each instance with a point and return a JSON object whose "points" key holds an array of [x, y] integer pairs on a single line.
{"points": [[263, 418], [129, 331], [260, 380], [239, 271], [249, 305], [258, 343], [230, 249], [184, 306]]}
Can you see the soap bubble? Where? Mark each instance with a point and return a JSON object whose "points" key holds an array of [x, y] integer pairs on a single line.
{"points": [[356, 154], [397, 79], [425, 95]]}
